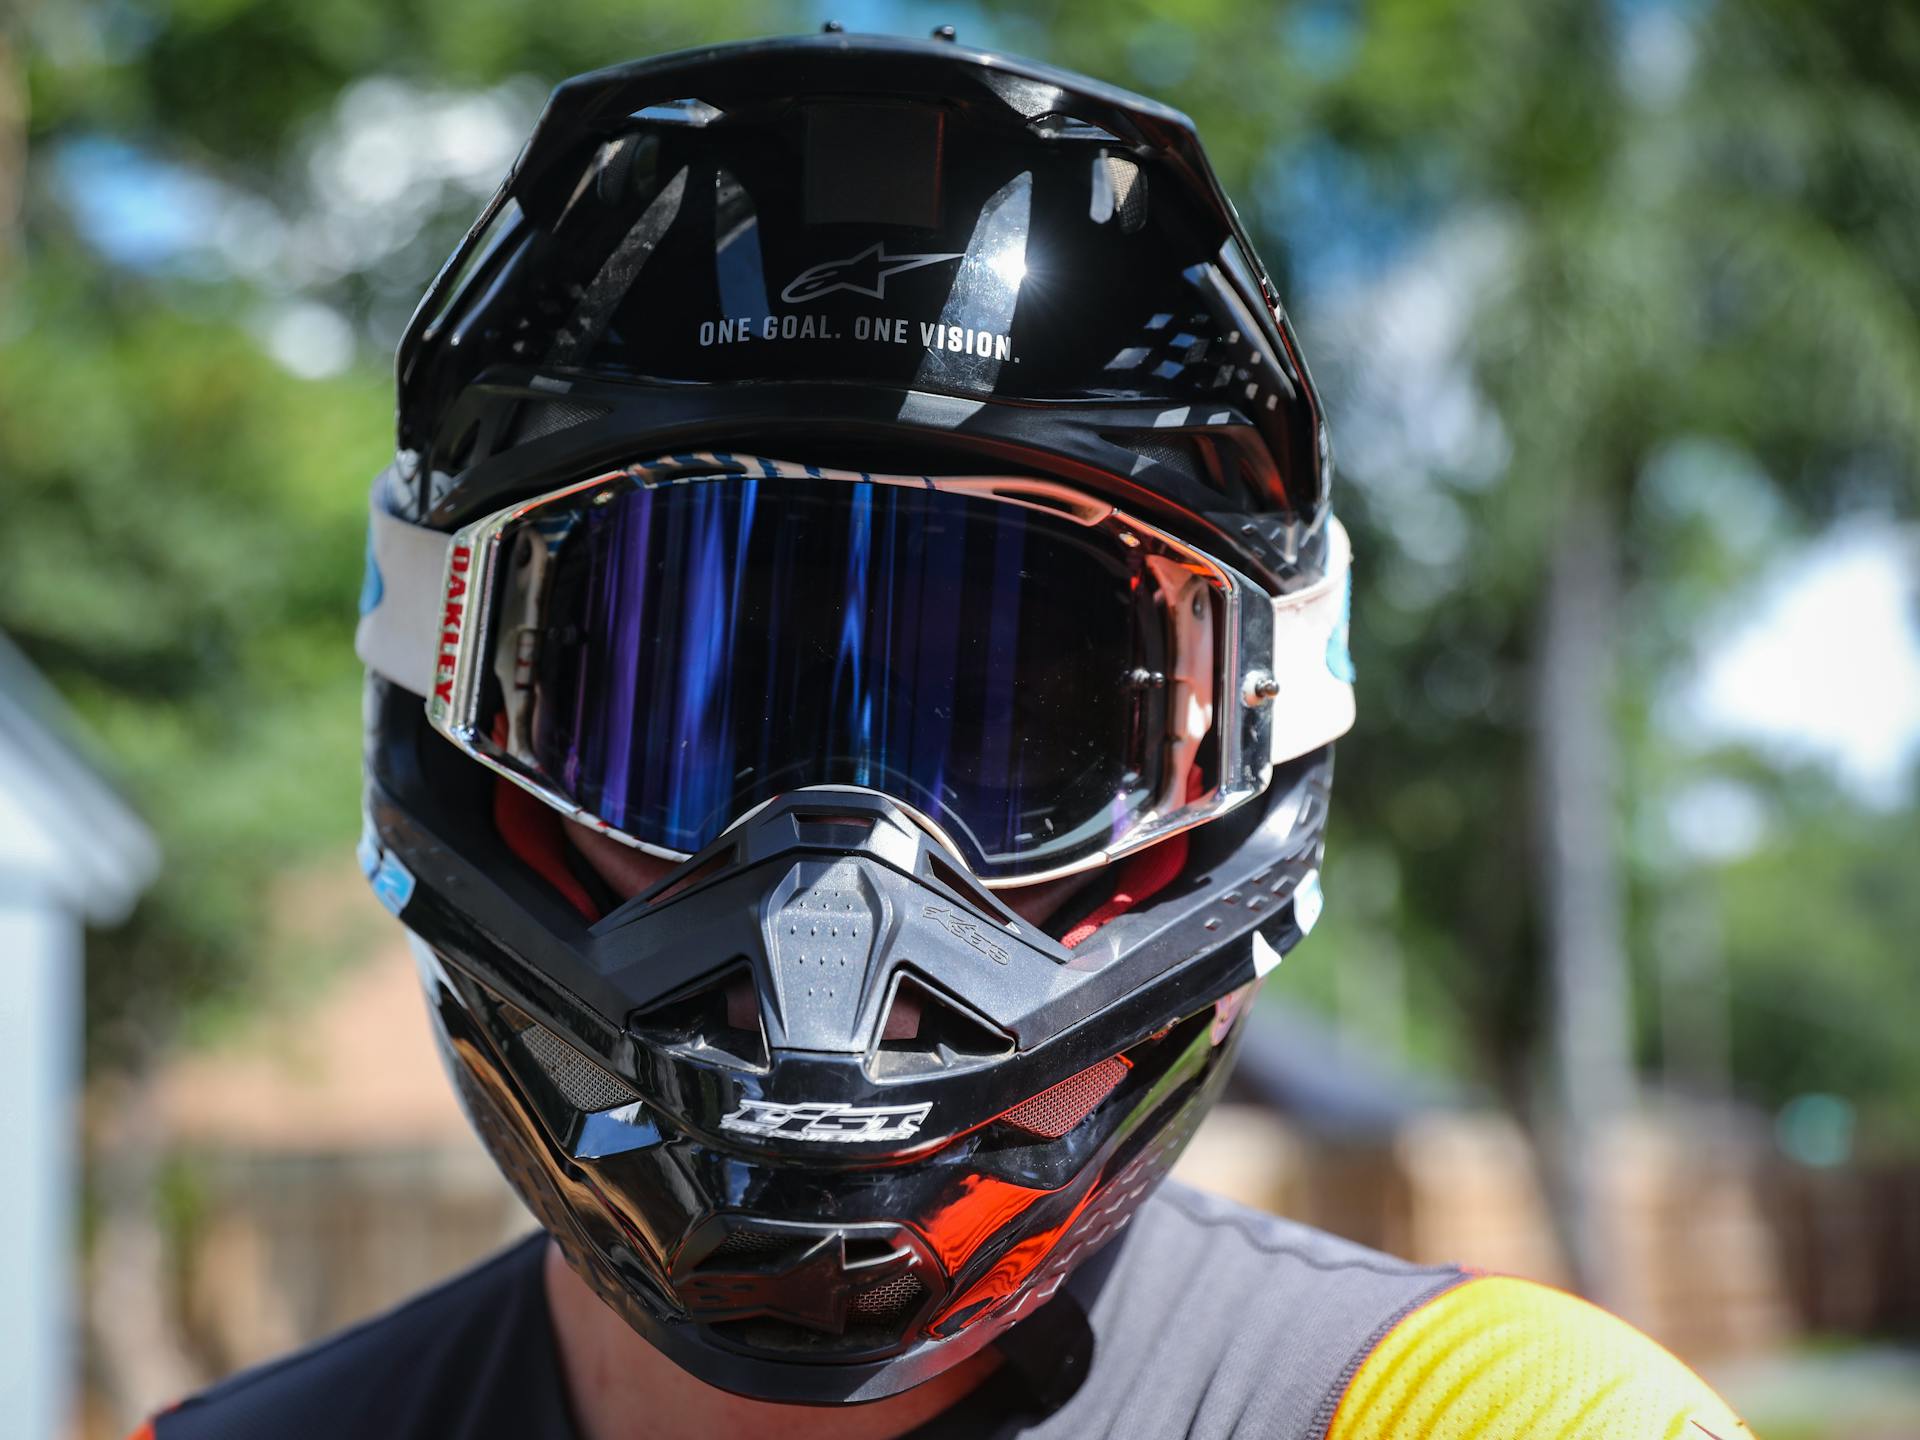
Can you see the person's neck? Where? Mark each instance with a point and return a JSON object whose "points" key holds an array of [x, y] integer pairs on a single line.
{"points": [[621, 1388]]}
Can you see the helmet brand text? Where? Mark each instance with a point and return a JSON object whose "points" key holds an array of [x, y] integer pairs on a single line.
{"points": [[828, 1121], [451, 620], [961, 928], [865, 329]]}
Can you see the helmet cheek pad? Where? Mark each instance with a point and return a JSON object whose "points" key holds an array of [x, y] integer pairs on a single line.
{"points": [[818, 1113]]}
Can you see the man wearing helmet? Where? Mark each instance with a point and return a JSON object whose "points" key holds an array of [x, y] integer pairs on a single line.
{"points": [[855, 633]]}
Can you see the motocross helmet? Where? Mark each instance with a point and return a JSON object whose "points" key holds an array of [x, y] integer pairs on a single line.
{"points": [[873, 478]]}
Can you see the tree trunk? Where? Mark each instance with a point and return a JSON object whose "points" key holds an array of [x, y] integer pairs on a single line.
{"points": [[13, 143], [1581, 892], [1696, 1021]]}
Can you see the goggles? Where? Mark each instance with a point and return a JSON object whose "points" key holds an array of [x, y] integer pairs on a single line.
{"points": [[658, 651]]}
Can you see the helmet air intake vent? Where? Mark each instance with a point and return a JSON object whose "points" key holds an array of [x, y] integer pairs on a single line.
{"points": [[888, 1300], [1058, 1108], [538, 419], [719, 1018], [926, 1033], [962, 884], [810, 1291], [685, 878], [1119, 193], [587, 1087]]}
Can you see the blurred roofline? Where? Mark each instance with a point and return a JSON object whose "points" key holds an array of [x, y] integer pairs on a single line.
{"points": [[64, 829]]}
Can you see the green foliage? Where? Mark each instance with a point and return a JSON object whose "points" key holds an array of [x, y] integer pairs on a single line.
{"points": [[187, 518], [1707, 270], [232, 82], [186, 527], [1702, 307], [1821, 922]]}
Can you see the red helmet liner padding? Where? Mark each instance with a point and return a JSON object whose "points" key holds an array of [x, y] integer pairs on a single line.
{"points": [[532, 831]]}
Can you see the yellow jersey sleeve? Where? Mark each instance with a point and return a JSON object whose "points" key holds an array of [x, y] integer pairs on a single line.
{"points": [[1496, 1357]]}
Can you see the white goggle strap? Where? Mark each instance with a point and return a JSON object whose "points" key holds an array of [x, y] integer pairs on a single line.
{"points": [[400, 619], [1311, 661], [401, 631]]}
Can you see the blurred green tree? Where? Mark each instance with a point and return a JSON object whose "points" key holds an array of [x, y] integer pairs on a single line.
{"points": [[1666, 228], [1693, 221], [186, 515]]}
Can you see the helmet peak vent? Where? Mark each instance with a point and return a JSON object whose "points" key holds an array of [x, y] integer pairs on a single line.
{"points": [[586, 1086]]}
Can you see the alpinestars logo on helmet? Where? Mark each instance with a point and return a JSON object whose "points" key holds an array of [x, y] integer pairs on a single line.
{"points": [[961, 928], [827, 1120], [864, 274]]}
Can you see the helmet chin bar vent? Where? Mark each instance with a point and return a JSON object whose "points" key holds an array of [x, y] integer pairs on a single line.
{"points": [[832, 827], [928, 1033], [1058, 1108], [813, 1291], [719, 1019], [681, 879], [587, 1087]]}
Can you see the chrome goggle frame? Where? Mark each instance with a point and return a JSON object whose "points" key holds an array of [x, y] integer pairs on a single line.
{"points": [[1278, 687]]}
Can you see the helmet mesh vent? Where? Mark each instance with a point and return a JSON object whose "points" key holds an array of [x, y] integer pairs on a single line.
{"points": [[748, 1242], [584, 1084], [1059, 1108], [1176, 453], [1129, 192], [540, 418], [888, 1299]]}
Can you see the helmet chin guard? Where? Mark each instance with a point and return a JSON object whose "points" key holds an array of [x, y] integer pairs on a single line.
{"points": [[803, 1165]]}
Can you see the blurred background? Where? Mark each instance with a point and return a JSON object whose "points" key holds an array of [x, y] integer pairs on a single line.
{"points": [[1614, 303]]}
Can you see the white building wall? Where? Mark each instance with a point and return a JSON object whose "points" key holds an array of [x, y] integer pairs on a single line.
{"points": [[40, 996]]}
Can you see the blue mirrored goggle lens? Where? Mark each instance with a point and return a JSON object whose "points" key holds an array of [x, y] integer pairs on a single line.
{"points": [[707, 645]]}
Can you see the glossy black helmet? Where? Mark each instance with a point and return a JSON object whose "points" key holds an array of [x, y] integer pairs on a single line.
{"points": [[874, 480]]}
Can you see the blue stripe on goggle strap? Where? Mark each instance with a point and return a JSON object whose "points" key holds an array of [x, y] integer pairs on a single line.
{"points": [[373, 588]]}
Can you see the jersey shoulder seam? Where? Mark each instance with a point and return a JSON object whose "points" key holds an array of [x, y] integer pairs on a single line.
{"points": [[1330, 1402], [1363, 1259]]}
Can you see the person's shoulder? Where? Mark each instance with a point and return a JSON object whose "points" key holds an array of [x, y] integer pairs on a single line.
{"points": [[1220, 1321], [1190, 1235], [404, 1373], [1496, 1357], [1212, 1320], [1179, 1214]]}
